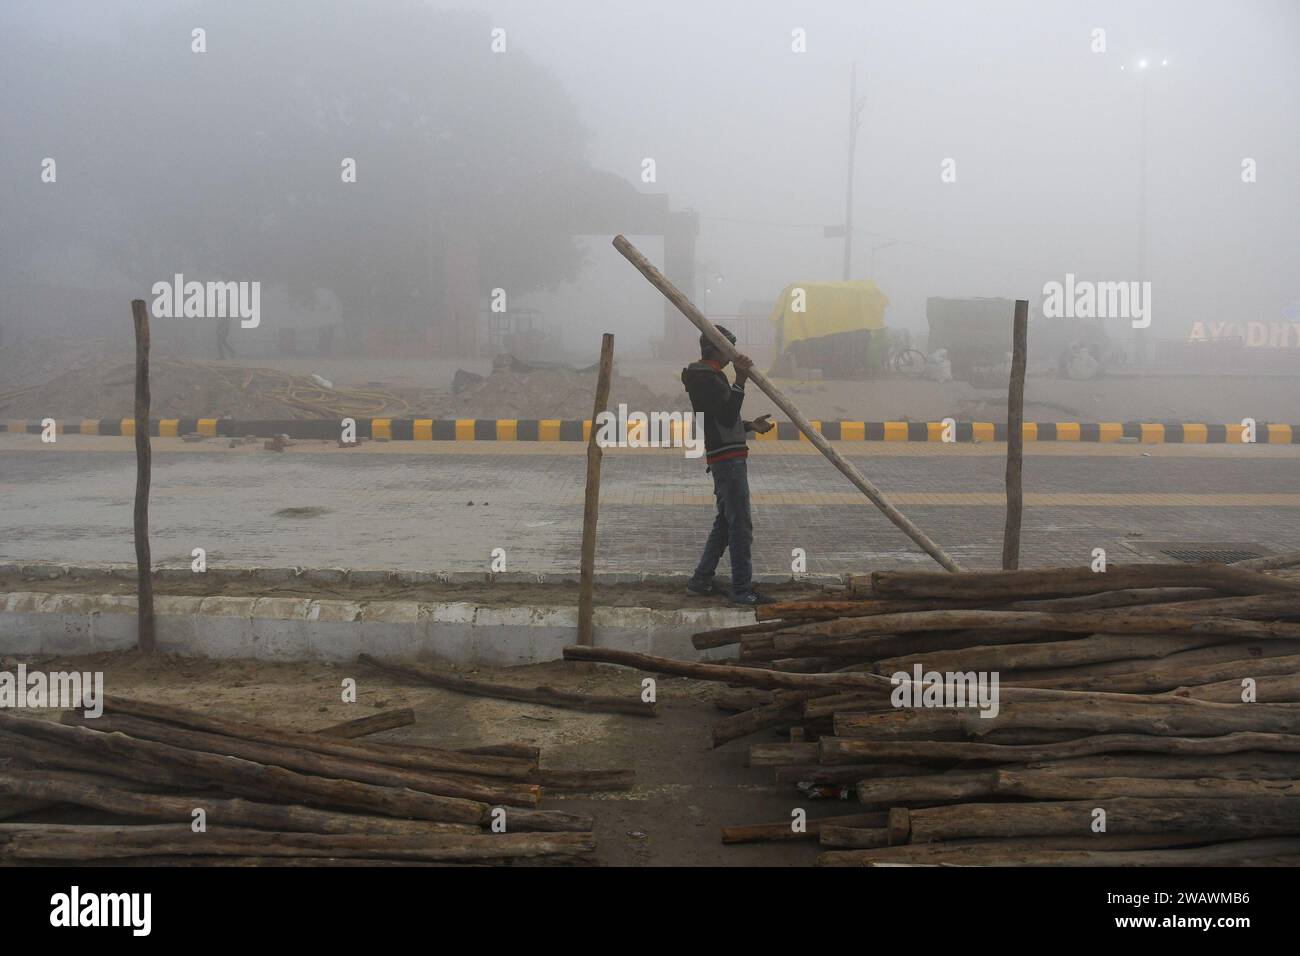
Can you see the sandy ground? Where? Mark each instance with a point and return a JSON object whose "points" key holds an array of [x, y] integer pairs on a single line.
{"points": [[1154, 397], [1134, 395], [82, 382], [685, 790]]}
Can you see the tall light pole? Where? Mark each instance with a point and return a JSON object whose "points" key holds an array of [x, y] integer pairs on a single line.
{"points": [[855, 119], [1144, 71], [1140, 339]]}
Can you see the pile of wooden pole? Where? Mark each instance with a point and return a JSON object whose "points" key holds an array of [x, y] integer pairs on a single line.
{"points": [[148, 783], [1146, 715]]}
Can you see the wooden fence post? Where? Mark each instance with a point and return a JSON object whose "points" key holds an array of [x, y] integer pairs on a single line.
{"points": [[1015, 436], [143, 467], [591, 501]]}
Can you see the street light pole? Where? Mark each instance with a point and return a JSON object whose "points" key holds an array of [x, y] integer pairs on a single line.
{"points": [[1139, 335], [855, 112]]}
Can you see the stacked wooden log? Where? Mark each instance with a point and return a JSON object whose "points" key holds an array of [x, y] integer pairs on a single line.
{"points": [[1145, 715], [149, 783]]}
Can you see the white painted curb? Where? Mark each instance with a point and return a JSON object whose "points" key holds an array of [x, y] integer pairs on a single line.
{"points": [[301, 629]]}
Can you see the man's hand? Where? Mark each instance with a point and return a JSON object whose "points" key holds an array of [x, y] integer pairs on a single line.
{"points": [[743, 364], [762, 425]]}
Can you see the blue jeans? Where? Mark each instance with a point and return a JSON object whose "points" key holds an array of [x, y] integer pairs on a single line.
{"points": [[732, 527]]}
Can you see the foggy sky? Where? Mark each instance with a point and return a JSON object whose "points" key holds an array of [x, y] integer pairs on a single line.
{"points": [[1044, 132]]}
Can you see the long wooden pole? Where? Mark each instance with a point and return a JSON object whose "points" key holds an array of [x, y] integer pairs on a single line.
{"points": [[688, 309], [591, 500], [374, 724], [1015, 436], [548, 696], [146, 640]]}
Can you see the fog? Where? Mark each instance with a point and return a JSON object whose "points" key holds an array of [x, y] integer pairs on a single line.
{"points": [[479, 169]]}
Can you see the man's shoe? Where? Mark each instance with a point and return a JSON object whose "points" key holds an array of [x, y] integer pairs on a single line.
{"points": [[701, 590], [752, 599]]}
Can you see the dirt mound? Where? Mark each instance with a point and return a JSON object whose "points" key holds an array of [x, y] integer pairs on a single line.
{"points": [[89, 382], [36, 359], [184, 389], [549, 393]]}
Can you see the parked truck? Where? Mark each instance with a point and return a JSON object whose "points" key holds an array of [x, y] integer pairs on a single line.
{"points": [[976, 333]]}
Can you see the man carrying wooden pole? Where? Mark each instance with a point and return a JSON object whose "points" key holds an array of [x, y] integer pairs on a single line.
{"points": [[591, 502], [143, 465], [717, 404], [1015, 436], [728, 350]]}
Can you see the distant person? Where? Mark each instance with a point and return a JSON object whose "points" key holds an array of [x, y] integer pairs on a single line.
{"points": [[726, 452], [223, 337]]}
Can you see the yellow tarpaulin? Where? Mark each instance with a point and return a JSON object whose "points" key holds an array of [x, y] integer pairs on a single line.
{"points": [[809, 310]]}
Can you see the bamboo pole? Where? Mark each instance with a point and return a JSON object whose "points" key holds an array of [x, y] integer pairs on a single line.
{"points": [[1096, 648], [1094, 850], [398, 755], [825, 682], [1098, 713], [591, 499], [58, 787], [82, 842], [725, 636], [841, 750], [1015, 436], [143, 466], [779, 832], [698, 319], [302, 760], [374, 724], [960, 786], [546, 696], [262, 782], [1250, 817], [1121, 621], [590, 781], [1066, 582]]}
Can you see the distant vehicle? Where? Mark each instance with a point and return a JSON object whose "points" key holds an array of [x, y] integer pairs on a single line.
{"points": [[835, 327], [977, 335]]}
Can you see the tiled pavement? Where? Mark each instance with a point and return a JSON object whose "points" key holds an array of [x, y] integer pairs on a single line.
{"points": [[385, 507]]}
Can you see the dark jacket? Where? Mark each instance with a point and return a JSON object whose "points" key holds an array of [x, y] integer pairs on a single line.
{"points": [[719, 402]]}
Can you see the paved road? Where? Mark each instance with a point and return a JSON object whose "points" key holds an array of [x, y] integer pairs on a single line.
{"points": [[409, 506]]}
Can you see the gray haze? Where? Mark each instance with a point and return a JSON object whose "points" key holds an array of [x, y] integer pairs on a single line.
{"points": [[226, 164]]}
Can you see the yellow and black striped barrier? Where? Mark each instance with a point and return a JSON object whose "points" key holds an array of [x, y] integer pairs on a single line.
{"points": [[555, 429]]}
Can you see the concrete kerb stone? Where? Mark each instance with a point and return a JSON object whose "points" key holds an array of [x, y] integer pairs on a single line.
{"points": [[43, 572], [364, 577], [372, 577], [324, 577], [294, 629]]}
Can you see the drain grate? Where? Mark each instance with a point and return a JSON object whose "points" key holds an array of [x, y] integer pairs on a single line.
{"points": [[1194, 552], [1222, 555]]}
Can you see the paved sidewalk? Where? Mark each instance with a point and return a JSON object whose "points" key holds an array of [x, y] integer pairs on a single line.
{"points": [[448, 507]]}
